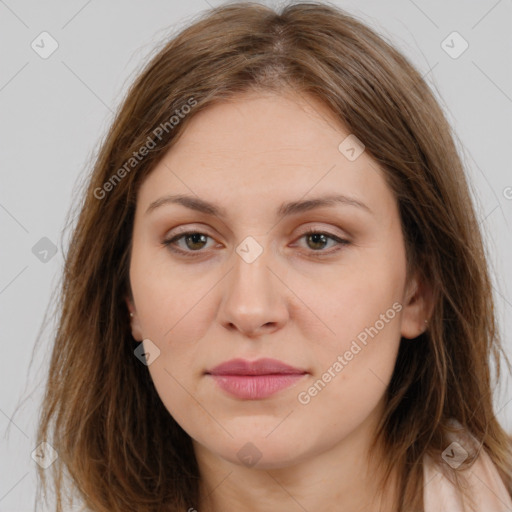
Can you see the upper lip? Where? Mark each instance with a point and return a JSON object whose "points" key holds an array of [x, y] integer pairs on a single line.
{"points": [[263, 366]]}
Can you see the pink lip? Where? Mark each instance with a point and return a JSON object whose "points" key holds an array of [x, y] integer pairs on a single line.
{"points": [[255, 380]]}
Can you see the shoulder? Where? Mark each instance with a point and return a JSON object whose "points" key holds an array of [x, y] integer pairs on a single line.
{"points": [[481, 481]]}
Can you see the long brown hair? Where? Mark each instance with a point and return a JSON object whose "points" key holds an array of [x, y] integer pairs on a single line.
{"points": [[117, 444]]}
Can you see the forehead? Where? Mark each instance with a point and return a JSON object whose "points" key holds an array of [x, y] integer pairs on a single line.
{"points": [[260, 148], [263, 123]]}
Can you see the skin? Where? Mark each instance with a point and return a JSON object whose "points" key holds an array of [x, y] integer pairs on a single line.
{"points": [[248, 156]]}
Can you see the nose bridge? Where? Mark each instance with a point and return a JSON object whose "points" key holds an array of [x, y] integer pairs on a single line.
{"points": [[252, 294], [251, 279]]}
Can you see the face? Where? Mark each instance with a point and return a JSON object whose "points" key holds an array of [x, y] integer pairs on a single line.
{"points": [[270, 274]]}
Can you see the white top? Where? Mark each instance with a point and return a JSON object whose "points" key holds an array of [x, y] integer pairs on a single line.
{"points": [[487, 489]]}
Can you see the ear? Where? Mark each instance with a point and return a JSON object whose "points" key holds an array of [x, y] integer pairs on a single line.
{"points": [[418, 305], [134, 320]]}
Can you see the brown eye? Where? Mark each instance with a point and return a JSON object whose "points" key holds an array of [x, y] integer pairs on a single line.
{"points": [[318, 240], [194, 241]]}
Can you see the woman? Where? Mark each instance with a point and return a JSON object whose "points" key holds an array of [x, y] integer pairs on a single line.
{"points": [[276, 295]]}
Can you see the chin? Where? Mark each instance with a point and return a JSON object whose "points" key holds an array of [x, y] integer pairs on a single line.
{"points": [[264, 453]]}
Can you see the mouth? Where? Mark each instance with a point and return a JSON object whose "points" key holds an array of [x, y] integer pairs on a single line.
{"points": [[255, 380], [255, 387]]}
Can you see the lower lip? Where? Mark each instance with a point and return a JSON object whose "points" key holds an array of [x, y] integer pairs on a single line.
{"points": [[256, 387]]}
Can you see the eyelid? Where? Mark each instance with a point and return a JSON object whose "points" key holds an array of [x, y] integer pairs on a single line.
{"points": [[326, 231], [309, 229]]}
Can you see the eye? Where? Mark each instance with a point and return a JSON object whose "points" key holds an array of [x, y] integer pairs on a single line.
{"points": [[194, 240], [317, 240]]}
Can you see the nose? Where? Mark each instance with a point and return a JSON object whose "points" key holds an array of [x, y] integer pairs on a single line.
{"points": [[254, 297]]}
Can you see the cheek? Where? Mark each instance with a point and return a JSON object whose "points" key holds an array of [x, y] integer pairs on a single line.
{"points": [[352, 369], [346, 303], [171, 301], [174, 313], [355, 360], [175, 318]]}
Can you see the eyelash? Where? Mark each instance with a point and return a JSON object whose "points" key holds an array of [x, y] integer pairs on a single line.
{"points": [[318, 254]]}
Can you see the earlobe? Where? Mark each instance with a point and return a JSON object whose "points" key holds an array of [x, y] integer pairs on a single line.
{"points": [[417, 310], [134, 321]]}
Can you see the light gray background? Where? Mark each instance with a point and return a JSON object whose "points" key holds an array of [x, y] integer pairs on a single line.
{"points": [[55, 111]]}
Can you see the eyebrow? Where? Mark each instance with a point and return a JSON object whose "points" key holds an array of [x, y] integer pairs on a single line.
{"points": [[285, 210]]}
